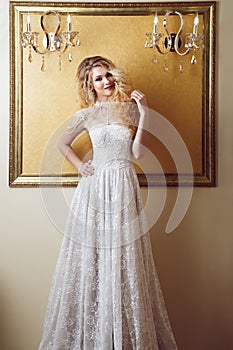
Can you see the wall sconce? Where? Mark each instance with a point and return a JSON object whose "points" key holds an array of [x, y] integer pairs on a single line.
{"points": [[172, 42], [55, 41]]}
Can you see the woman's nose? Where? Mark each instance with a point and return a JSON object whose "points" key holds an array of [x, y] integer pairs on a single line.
{"points": [[106, 79]]}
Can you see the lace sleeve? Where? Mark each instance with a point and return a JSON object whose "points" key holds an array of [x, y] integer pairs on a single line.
{"points": [[75, 128], [78, 123], [134, 115]]}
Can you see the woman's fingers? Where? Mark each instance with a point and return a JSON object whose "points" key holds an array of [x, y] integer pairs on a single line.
{"points": [[87, 169], [139, 97]]}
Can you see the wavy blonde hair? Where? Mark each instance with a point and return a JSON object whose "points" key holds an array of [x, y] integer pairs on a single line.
{"points": [[86, 93]]}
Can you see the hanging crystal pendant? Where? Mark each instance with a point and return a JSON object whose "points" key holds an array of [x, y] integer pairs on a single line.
{"points": [[59, 62], [193, 59], [43, 67], [70, 57], [181, 67], [30, 54], [154, 59], [165, 67]]}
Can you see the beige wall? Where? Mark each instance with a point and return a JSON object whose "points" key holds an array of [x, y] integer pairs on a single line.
{"points": [[194, 263]]}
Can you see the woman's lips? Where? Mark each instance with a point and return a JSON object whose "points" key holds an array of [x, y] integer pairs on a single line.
{"points": [[109, 87]]}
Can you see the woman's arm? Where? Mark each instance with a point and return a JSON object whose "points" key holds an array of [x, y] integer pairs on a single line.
{"points": [[64, 145], [140, 140]]}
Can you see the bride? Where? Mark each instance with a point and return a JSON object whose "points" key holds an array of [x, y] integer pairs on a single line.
{"points": [[105, 292]]}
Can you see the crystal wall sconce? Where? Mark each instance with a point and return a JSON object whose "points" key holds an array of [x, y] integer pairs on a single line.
{"points": [[53, 42], [172, 42]]}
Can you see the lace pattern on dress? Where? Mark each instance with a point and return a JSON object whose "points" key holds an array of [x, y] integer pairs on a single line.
{"points": [[105, 293]]}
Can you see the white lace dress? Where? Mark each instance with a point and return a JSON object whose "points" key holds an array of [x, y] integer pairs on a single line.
{"points": [[105, 293]]}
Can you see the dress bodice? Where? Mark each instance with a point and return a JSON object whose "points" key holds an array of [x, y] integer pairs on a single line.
{"points": [[111, 145], [111, 126]]}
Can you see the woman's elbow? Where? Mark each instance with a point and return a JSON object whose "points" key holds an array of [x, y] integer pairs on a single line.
{"points": [[138, 150], [138, 154]]}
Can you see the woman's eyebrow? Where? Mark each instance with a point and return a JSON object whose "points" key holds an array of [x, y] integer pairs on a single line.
{"points": [[96, 76]]}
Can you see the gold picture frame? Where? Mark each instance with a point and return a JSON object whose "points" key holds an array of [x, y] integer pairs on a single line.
{"points": [[41, 102]]}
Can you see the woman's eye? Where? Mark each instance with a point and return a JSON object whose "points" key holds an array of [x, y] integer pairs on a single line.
{"points": [[98, 79], [109, 74]]}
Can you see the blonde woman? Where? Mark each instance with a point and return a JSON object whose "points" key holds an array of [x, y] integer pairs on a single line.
{"points": [[105, 293]]}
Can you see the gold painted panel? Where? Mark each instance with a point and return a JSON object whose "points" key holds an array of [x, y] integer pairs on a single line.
{"points": [[43, 102]]}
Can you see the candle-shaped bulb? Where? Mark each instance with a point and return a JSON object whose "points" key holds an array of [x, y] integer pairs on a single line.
{"points": [[156, 21], [28, 23], [68, 23], [195, 24], [196, 20]]}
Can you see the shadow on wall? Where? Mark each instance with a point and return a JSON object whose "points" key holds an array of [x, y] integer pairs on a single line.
{"points": [[3, 322]]}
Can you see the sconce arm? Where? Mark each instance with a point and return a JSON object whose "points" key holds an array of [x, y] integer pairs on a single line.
{"points": [[176, 44]]}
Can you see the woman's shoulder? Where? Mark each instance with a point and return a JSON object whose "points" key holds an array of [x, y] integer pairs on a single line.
{"points": [[78, 120], [88, 111], [82, 113], [92, 111]]}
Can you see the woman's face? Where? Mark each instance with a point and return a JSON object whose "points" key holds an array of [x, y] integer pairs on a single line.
{"points": [[103, 83]]}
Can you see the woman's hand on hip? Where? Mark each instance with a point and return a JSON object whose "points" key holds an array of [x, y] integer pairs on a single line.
{"points": [[86, 169]]}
